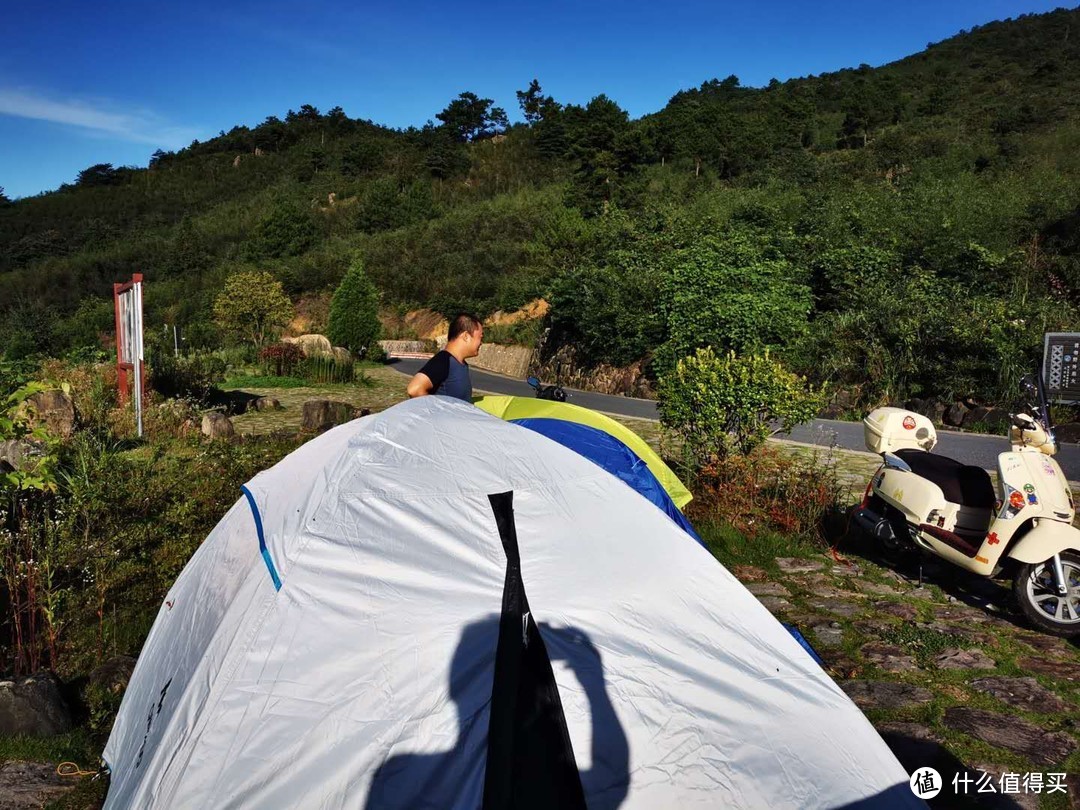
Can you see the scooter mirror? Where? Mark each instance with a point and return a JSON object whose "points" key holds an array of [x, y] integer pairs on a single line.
{"points": [[533, 381]]}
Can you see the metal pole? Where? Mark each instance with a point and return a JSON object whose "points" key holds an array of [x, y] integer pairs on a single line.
{"points": [[138, 358], [175, 342]]}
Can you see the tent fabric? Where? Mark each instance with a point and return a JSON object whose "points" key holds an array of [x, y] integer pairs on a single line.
{"points": [[608, 452], [407, 624], [512, 408]]}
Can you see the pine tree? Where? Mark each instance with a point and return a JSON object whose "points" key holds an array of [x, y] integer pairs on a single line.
{"points": [[354, 312]]}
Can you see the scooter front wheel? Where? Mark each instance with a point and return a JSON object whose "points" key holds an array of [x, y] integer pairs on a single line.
{"points": [[1038, 599]]}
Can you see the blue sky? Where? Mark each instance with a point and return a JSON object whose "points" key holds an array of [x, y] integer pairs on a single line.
{"points": [[110, 81]]}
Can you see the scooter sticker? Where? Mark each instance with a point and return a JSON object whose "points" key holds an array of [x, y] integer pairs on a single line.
{"points": [[1032, 498], [993, 539], [909, 423], [1013, 503], [1048, 468]]}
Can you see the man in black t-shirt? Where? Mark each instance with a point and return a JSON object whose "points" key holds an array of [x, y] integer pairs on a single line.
{"points": [[447, 373]]}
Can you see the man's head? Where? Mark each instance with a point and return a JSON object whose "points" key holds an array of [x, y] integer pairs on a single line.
{"points": [[465, 335]]}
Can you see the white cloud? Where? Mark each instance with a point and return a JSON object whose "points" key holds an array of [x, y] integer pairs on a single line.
{"points": [[98, 118]]}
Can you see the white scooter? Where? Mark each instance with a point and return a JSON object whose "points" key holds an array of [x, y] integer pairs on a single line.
{"points": [[918, 500]]}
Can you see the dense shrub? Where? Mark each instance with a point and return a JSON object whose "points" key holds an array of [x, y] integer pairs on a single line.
{"points": [[187, 377], [280, 359], [730, 404]]}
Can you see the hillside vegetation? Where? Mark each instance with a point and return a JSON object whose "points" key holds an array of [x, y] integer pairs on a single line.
{"points": [[910, 229]]}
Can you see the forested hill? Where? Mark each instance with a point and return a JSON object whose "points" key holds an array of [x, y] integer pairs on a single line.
{"points": [[916, 222]]}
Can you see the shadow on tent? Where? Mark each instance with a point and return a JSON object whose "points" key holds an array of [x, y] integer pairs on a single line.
{"points": [[526, 752]]}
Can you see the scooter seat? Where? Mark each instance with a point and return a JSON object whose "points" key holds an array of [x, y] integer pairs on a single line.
{"points": [[963, 484]]}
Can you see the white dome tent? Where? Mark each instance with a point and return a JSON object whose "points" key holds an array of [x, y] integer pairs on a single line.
{"points": [[433, 608]]}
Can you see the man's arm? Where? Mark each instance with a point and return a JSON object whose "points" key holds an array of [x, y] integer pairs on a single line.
{"points": [[431, 375], [420, 385]]}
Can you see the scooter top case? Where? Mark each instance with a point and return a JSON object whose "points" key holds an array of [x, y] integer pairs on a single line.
{"points": [[887, 430]]}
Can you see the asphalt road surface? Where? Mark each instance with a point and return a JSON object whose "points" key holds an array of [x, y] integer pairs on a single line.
{"points": [[969, 448]]}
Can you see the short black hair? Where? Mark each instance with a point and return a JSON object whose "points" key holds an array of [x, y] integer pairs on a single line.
{"points": [[463, 322]]}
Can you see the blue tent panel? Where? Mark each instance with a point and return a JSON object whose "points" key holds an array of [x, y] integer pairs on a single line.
{"points": [[606, 451]]}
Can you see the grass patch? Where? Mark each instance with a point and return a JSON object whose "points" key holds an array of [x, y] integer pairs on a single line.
{"points": [[732, 547], [244, 381], [75, 746]]}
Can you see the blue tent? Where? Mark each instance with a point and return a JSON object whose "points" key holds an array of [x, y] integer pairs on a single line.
{"points": [[606, 451]]}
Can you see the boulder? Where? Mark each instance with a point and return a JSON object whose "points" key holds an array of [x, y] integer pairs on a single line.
{"points": [[322, 414], [994, 420], [839, 405], [955, 414], [55, 409], [311, 345], [266, 404], [217, 426], [1069, 432], [113, 675], [12, 453], [33, 706]]}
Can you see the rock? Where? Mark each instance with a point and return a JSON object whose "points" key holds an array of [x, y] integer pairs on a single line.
{"points": [[959, 613], [955, 414], [1069, 432], [1051, 645], [964, 659], [33, 706], [321, 414], [889, 657], [901, 610], [975, 415], [311, 345], [796, 565], [994, 420], [828, 634], [774, 604], [217, 426], [1060, 670], [749, 573], [1012, 734], [55, 409], [915, 745], [767, 589], [13, 453], [885, 694], [26, 785], [837, 606], [266, 404], [876, 588], [968, 635], [113, 675], [932, 409], [341, 354], [1023, 693]]}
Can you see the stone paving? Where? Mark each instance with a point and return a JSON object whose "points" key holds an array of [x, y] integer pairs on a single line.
{"points": [[947, 672]]}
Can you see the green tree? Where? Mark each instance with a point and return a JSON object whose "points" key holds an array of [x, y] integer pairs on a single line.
{"points": [[286, 230], [469, 117], [354, 312], [252, 305], [4, 199]]}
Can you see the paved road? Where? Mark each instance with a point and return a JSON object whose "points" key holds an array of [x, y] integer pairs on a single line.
{"points": [[970, 448]]}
